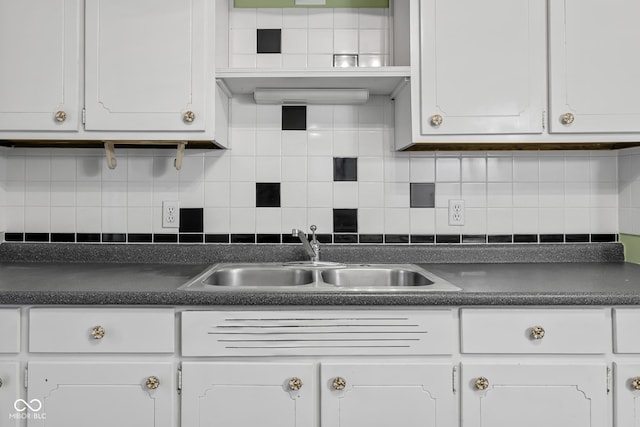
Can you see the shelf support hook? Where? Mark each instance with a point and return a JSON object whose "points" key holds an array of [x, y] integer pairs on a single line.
{"points": [[110, 150], [179, 155]]}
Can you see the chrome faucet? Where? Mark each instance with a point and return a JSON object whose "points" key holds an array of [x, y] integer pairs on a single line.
{"points": [[313, 248]]}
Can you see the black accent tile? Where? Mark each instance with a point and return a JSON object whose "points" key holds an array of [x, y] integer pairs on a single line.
{"points": [[396, 238], [140, 238], [345, 220], [165, 238], [345, 168], [114, 237], [63, 238], [447, 238], [191, 220], [191, 238], [552, 238], [243, 238], [216, 238], [371, 238], [525, 238], [422, 238], [500, 238], [422, 195], [288, 238], [269, 40], [14, 237], [267, 194], [604, 238], [324, 238], [268, 238], [88, 238], [294, 117], [36, 237], [474, 238], [576, 238], [345, 238]]}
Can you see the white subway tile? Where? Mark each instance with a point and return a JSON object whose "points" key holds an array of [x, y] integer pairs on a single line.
{"points": [[474, 194], [604, 220], [499, 220], [268, 221], [422, 169], [114, 194], [294, 41], [371, 221], [447, 169], [89, 168], [345, 41], [345, 143], [320, 41], [294, 143], [525, 194], [320, 194], [216, 195], [442, 223], [396, 169], [14, 193], [191, 194], [525, 169], [242, 169], [164, 170], [396, 194], [551, 169], [114, 220], [269, 143], [242, 195], [320, 61], [244, 60], [473, 169], [373, 41], [269, 60], [242, 18], [294, 169], [345, 18], [577, 169], [345, 195], [139, 220], [88, 193], [268, 169], [604, 169], [63, 219], [500, 169], [525, 220], [604, 194], [551, 221], [321, 218], [138, 168], [320, 18], [216, 220], [294, 195], [577, 221], [377, 18], [242, 41], [217, 168], [38, 168], [14, 219], [320, 169], [423, 221], [370, 169], [37, 193], [63, 193], [320, 143], [396, 220], [294, 61], [164, 191], [577, 194], [371, 194], [295, 218], [635, 194], [192, 169], [243, 142], [446, 192], [242, 220], [320, 117], [37, 219], [16, 168], [475, 221], [552, 194], [269, 18], [295, 18], [499, 195]]}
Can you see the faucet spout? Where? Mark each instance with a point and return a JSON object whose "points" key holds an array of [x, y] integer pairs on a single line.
{"points": [[312, 248]]}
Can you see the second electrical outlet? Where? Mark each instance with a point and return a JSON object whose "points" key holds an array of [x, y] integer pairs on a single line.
{"points": [[170, 214], [456, 212]]}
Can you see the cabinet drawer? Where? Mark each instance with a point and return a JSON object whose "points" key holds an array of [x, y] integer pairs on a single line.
{"points": [[10, 330], [80, 330], [545, 331], [302, 333], [626, 323]]}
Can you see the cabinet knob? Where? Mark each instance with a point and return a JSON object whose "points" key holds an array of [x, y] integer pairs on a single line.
{"points": [[97, 332], [60, 116], [481, 383], [567, 118], [295, 383], [152, 383], [635, 383], [189, 116], [339, 383], [436, 120], [537, 332]]}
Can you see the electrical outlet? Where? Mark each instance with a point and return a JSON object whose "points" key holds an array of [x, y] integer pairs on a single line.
{"points": [[456, 212], [170, 214]]}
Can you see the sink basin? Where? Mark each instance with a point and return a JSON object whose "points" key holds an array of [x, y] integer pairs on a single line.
{"points": [[317, 277], [242, 275]]}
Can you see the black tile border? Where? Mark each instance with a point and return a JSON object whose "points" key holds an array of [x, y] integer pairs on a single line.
{"points": [[371, 238], [396, 238], [36, 237], [140, 238]]}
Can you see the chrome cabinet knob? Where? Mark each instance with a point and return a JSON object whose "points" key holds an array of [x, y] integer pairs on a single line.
{"points": [[152, 383], [339, 383], [481, 383], [60, 116], [567, 118], [436, 120], [189, 116], [635, 383], [97, 332], [537, 332], [295, 384]]}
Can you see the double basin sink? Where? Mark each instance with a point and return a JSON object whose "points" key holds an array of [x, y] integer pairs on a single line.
{"points": [[318, 276]]}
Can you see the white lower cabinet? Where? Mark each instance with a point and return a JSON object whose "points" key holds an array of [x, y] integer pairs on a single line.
{"points": [[11, 408], [532, 394], [627, 394], [102, 394], [286, 394]]}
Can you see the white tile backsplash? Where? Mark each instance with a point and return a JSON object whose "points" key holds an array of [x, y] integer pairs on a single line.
{"points": [[628, 190]]}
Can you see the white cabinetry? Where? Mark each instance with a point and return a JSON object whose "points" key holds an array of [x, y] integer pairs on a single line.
{"points": [[40, 51], [627, 368], [593, 69], [10, 379], [477, 67]]}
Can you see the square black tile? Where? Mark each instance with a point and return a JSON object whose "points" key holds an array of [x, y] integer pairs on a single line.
{"points": [[269, 40], [345, 169], [345, 220], [267, 194], [294, 117], [191, 220], [422, 195]]}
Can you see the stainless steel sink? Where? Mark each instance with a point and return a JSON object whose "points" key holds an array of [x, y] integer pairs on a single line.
{"points": [[322, 277]]}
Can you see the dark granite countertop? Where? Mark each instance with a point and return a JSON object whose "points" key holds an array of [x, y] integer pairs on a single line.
{"points": [[135, 275]]}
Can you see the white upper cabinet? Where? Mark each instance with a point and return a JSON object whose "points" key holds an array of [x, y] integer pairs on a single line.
{"points": [[39, 76], [594, 67], [145, 65], [478, 67]]}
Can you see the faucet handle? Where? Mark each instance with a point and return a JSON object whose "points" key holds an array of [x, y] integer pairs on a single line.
{"points": [[313, 229]]}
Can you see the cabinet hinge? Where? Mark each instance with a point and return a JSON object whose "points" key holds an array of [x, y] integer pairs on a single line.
{"points": [[179, 379], [454, 379], [84, 116], [26, 378]]}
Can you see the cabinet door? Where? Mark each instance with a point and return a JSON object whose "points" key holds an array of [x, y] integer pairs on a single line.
{"points": [[145, 64], [481, 66], [387, 394], [593, 66], [102, 394], [39, 76], [248, 394], [533, 395], [10, 393], [627, 394]]}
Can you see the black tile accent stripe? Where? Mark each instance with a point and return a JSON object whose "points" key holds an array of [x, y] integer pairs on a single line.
{"points": [[525, 238], [88, 238], [500, 238], [268, 238], [36, 237], [423, 238], [371, 238], [243, 238], [269, 40], [396, 238], [552, 238], [576, 238], [14, 237], [345, 238], [288, 238], [447, 238], [63, 237], [191, 238], [324, 238], [165, 238], [294, 117], [114, 237], [474, 238], [139, 238], [604, 238], [216, 238]]}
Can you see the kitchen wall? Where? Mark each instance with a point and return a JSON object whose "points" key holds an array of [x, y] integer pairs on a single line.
{"points": [[629, 200], [273, 180]]}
